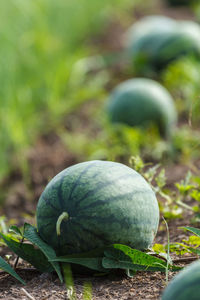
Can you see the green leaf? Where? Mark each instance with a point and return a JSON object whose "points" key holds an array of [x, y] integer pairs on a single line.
{"points": [[151, 172], [94, 263], [159, 248], [192, 229], [30, 233], [195, 194], [137, 163], [127, 264], [7, 268], [194, 250], [27, 252], [193, 241], [117, 256], [15, 230], [183, 189], [160, 251], [179, 248], [124, 257], [161, 179], [91, 259]]}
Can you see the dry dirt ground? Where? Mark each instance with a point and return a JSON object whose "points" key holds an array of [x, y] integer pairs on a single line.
{"points": [[44, 165], [44, 286]]}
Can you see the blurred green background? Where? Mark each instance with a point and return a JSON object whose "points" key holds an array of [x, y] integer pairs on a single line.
{"points": [[40, 43], [56, 70]]}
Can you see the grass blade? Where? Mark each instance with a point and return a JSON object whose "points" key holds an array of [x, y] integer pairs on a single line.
{"points": [[7, 268], [194, 230]]}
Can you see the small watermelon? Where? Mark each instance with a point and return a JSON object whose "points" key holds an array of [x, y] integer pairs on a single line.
{"points": [[147, 25], [94, 204], [153, 42], [185, 285], [181, 2], [141, 102]]}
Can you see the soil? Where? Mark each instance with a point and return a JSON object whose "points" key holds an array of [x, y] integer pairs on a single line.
{"points": [[48, 157], [47, 286]]}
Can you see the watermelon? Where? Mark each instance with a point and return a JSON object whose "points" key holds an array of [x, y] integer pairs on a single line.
{"points": [[94, 204], [141, 102], [181, 2], [153, 42], [185, 285]]}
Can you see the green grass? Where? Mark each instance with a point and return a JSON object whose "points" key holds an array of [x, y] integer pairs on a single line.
{"points": [[41, 43]]}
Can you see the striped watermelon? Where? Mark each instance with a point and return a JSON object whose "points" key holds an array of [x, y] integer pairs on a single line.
{"points": [[142, 102], [185, 285], [155, 41], [181, 2], [97, 203]]}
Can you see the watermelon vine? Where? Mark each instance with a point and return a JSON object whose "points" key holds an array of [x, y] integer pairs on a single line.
{"points": [[64, 216]]}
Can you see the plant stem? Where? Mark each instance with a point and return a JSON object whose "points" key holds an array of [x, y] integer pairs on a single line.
{"points": [[17, 259], [185, 259], [168, 257], [63, 216], [87, 290], [69, 282], [184, 205]]}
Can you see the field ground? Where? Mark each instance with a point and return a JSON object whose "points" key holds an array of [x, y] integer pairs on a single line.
{"points": [[44, 165]]}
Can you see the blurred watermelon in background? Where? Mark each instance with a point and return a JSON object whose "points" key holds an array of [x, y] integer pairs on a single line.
{"points": [[181, 2], [155, 41], [143, 102]]}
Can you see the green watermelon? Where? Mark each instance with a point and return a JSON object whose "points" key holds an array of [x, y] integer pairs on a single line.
{"points": [[181, 2], [147, 25], [141, 102], [185, 285], [94, 204], [153, 42]]}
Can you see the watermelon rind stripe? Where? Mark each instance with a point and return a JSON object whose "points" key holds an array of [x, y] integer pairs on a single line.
{"points": [[101, 202], [49, 203], [42, 229], [79, 237], [101, 185], [93, 233], [76, 183], [109, 200], [45, 217], [60, 196]]}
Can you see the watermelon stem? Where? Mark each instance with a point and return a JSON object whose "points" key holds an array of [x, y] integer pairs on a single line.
{"points": [[63, 216]]}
